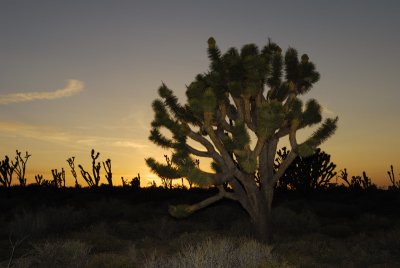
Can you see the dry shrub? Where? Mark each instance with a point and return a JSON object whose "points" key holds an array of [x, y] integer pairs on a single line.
{"points": [[101, 237], [60, 254], [110, 260], [44, 221], [218, 253], [371, 222]]}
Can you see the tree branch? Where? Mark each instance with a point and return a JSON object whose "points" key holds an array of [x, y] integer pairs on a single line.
{"points": [[282, 168], [259, 145], [221, 115], [239, 106], [198, 152], [220, 147], [247, 114], [208, 145], [292, 135], [268, 158], [205, 202]]}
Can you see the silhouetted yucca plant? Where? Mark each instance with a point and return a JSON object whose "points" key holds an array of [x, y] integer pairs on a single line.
{"points": [[58, 178], [107, 168], [20, 168], [357, 182], [395, 183], [306, 173], [71, 163], [92, 181], [134, 183], [7, 169]]}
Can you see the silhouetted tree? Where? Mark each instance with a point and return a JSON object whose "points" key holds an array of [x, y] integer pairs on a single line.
{"points": [[395, 184], [7, 169], [124, 183], [92, 181], [58, 178], [20, 167], [357, 182], [223, 106], [306, 173], [135, 182], [165, 181], [107, 168], [71, 163], [39, 179], [43, 182]]}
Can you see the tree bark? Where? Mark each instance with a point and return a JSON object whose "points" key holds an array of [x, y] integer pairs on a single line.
{"points": [[262, 224], [262, 217]]}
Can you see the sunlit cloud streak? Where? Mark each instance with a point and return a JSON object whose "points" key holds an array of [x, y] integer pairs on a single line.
{"points": [[63, 136], [129, 144], [73, 87]]}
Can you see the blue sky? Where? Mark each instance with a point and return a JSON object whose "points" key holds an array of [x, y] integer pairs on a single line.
{"points": [[89, 70]]}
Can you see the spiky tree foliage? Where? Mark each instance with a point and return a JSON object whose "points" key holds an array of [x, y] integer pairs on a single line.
{"points": [[306, 173], [245, 91]]}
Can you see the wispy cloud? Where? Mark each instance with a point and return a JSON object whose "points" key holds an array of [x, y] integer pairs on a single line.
{"points": [[73, 87], [65, 137], [129, 144]]}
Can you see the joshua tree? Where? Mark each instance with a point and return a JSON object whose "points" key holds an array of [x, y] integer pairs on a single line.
{"points": [[7, 168], [357, 182], [306, 173], [395, 184], [92, 181], [58, 178], [39, 179], [20, 167], [71, 163], [165, 181], [248, 91], [124, 183], [135, 182], [107, 168]]}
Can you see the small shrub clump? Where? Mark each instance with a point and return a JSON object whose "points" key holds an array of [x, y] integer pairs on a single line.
{"points": [[60, 254], [218, 253]]}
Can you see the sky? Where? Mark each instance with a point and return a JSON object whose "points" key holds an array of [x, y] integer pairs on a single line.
{"points": [[82, 74]]}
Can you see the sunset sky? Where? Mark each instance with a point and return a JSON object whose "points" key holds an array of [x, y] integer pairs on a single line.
{"points": [[77, 75]]}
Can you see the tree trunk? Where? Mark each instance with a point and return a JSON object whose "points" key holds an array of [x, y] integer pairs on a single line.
{"points": [[262, 220], [262, 226]]}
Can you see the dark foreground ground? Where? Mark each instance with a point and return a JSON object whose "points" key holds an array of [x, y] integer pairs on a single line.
{"points": [[126, 228]]}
